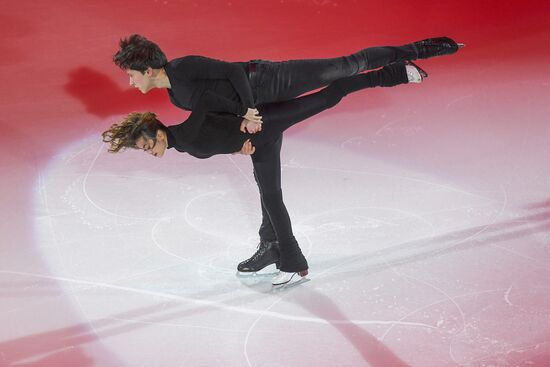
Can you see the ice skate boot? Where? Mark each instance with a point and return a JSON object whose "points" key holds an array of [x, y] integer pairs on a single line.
{"points": [[292, 263], [438, 46], [266, 254]]}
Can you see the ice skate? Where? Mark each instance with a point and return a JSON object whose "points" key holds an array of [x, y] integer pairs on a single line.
{"points": [[438, 46], [266, 254], [415, 74]]}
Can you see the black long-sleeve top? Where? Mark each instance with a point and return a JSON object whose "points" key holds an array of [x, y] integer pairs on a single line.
{"points": [[210, 129], [191, 76]]}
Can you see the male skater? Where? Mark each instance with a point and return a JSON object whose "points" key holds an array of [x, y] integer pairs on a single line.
{"points": [[253, 83]]}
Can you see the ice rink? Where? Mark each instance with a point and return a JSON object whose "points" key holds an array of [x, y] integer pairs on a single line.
{"points": [[423, 210]]}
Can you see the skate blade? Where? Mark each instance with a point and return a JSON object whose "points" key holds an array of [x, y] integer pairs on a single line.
{"points": [[293, 278], [289, 285]]}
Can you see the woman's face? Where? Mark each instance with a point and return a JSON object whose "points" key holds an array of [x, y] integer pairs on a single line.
{"points": [[155, 147]]}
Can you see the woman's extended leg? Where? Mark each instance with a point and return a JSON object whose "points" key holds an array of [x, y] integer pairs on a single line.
{"points": [[280, 116]]}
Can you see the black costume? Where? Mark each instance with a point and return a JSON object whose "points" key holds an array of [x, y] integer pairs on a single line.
{"points": [[209, 131], [200, 83], [261, 81]]}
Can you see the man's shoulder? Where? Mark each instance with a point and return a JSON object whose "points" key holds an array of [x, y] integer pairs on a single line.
{"points": [[182, 67], [189, 59]]}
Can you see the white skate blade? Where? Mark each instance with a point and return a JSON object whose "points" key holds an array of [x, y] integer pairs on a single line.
{"points": [[285, 278], [287, 286], [413, 74]]}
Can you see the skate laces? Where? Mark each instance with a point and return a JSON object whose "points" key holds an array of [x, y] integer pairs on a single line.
{"points": [[262, 248]]}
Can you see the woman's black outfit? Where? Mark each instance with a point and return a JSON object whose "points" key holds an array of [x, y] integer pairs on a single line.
{"points": [[208, 131]]}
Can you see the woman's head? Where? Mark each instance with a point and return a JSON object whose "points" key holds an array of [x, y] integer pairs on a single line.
{"points": [[139, 130]]}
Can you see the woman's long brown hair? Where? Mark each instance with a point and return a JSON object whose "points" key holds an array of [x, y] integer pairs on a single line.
{"points": [[124, 134]]}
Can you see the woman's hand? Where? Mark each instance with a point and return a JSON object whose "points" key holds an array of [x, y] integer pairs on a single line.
{"points": [[252, 114], [247, 149], [252, 127]]}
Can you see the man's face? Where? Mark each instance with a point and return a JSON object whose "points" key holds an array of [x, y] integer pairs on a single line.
{"points": [[142, 81], [155, 147]]}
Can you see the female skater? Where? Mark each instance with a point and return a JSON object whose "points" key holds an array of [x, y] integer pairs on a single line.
{"points": [[209, 131]]}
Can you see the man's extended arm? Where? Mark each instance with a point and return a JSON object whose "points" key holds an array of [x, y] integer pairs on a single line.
{"points": [[200, 67], [208, 102]]}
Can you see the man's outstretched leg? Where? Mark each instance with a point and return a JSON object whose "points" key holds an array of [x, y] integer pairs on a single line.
{"points": [[280, 81]]}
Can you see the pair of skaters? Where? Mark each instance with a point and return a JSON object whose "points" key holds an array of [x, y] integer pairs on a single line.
{"points": [[244, 107]]}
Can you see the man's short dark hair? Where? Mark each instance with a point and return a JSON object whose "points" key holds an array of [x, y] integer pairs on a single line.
{"points": [[138, 53]]}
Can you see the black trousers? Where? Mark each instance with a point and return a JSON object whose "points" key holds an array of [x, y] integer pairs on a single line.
{"points": [[280, 81], [278, 117]]}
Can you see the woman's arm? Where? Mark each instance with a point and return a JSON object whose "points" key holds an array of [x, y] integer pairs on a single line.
{"points": [[247, 148], [189, 130]]}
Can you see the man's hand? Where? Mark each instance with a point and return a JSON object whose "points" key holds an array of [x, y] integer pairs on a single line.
{"points": [[252, 127], [247, 149], [252, 114]]}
